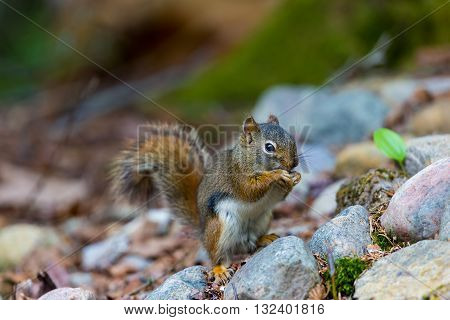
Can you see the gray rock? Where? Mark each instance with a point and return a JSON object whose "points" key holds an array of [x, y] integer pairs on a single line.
{"points": [[414, 272], [102, 254], [333, 117], [81, 279], [285, 269], [396, 91], [73, 226], [423, 151], [346, 235], [183, 285], [416, 209], [444, 232], [68, 294], [324, 206], [162, 218], [134, 262], [17, 241]]}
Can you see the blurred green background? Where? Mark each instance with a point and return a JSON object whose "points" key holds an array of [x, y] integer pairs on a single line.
{"points": [[199, 57]]}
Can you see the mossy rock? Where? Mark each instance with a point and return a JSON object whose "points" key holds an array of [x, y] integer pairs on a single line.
{"points": [[370, 190]]}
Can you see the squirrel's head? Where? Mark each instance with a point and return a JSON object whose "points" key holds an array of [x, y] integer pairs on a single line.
{"points": [[268, 145]]}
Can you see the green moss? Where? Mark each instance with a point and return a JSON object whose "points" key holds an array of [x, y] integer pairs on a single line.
{"points": [[347, 271], [379, 239], [305, 41]]}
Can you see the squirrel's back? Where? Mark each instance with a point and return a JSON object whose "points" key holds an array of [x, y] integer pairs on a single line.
{"points": [[170, 159]]}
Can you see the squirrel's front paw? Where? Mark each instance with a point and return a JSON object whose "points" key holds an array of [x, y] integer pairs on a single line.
{"points": [[285, 181], [221, 274]]}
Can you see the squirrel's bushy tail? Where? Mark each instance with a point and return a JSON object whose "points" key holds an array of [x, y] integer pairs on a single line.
{"points": [[170, 159]]}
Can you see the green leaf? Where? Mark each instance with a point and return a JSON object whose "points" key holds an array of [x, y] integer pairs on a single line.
{"points": [[390, 143]]}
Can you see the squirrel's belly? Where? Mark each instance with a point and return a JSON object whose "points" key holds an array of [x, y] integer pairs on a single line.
{"points": [[244, 222]]}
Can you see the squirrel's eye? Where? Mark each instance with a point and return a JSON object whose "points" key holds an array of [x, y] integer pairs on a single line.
{"points": [[269, 147]]}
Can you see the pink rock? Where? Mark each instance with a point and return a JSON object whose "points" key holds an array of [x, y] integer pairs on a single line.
{"points": [[416, 209]]}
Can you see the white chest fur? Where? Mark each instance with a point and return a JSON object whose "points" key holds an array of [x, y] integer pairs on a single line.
{"points": [[244, 222]]}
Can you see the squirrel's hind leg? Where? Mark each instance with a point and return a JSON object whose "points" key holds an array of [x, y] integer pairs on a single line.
{"points": [[211, 237], [266, 239]]}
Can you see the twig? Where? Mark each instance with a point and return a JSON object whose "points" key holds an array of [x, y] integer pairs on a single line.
{"points": [[332, 274]]}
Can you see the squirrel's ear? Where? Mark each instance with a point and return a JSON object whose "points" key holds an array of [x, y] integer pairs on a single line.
{"points": [[273, 119], [250, 127]]}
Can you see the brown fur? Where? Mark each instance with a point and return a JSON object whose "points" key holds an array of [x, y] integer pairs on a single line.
{"points": [[171, 160], [211, 236], [253, 187]]}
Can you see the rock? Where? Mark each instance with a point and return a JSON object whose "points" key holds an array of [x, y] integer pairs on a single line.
{"points": [[162, 218], [72, 226], [285, 269], [158, 219], [135, 262], [183, 285], [102, 254], [444, 231], [330, 117], [324, 206], [17, 241], [397, 91], [416, 209], [423, 151], [357, 159], [432, 119], [371, 190], [410, 273], [346, 235], [80, 279], [68, 294]]}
